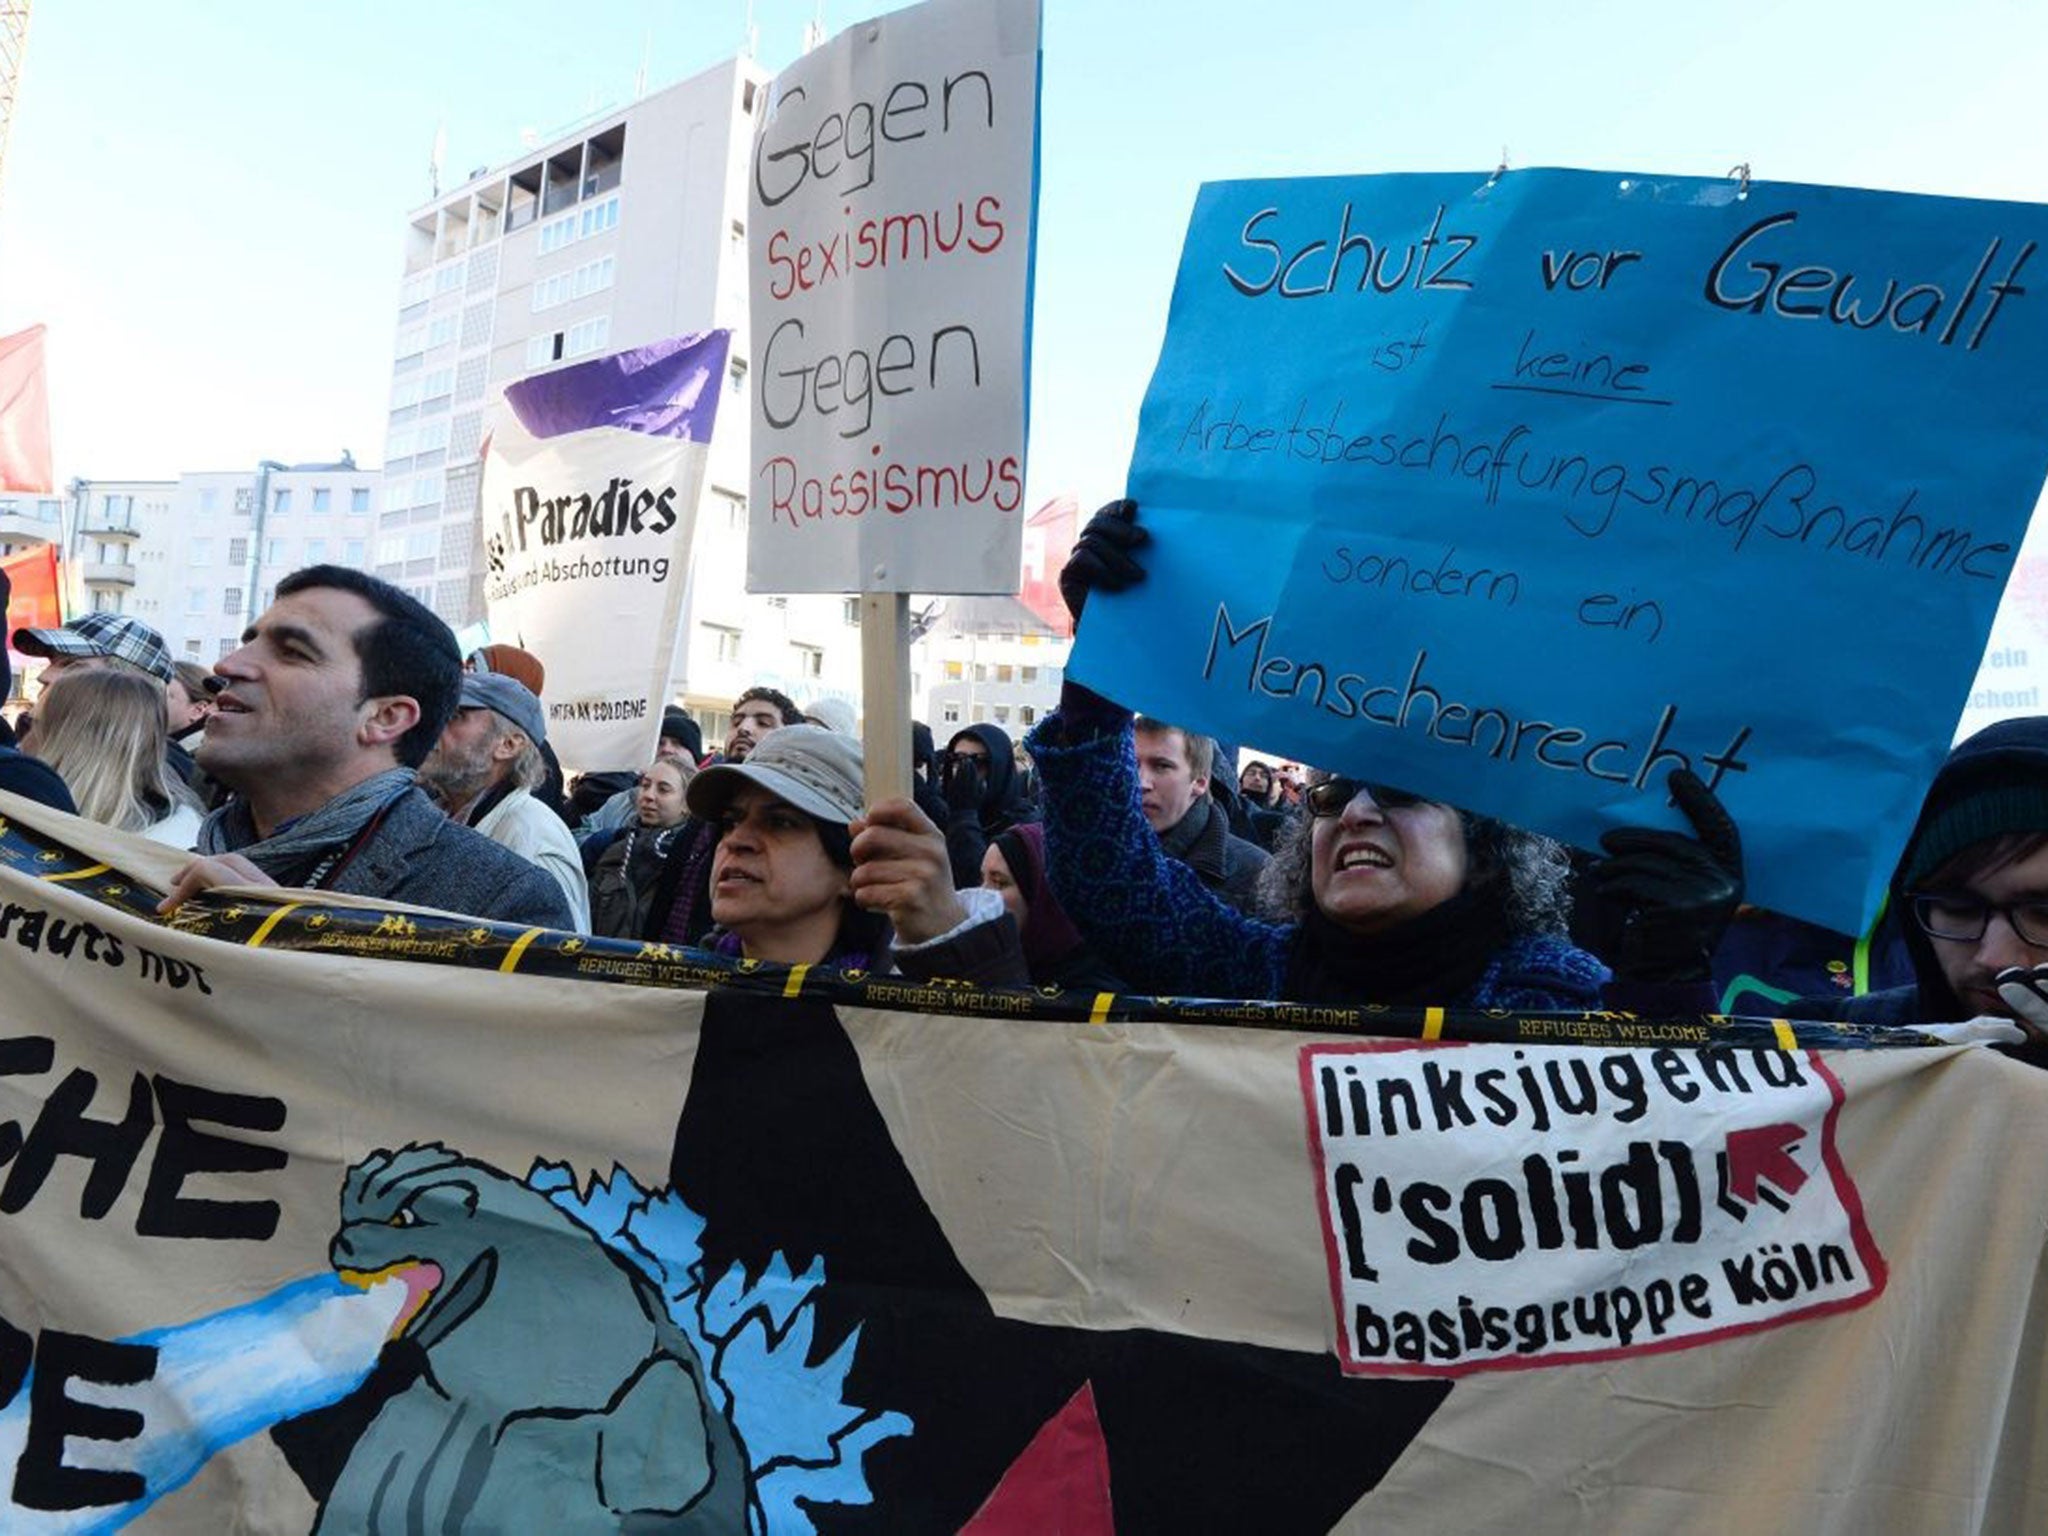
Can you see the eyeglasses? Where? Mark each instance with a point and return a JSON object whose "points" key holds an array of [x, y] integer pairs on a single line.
{"points": [[1331, 796], [1964, 918]]}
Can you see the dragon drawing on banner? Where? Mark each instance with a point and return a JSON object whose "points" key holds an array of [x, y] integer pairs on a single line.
{"points": [[573, 1368]]}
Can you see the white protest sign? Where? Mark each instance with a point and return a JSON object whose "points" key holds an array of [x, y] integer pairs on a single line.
{"points": [[589, 506], [890, 231], [1494, 1207]]}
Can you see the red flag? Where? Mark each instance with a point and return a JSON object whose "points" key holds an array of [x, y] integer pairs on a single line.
{"points": [[35, 601], [24, 414]]}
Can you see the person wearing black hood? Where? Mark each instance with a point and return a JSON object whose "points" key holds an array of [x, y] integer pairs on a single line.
{"points": [[978, 777], [924, 777], [1971, 889]]}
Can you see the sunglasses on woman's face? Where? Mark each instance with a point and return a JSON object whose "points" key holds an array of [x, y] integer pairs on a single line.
{"points": [[1331, 796]]}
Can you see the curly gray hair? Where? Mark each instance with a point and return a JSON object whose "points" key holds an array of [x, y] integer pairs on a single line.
{"points": [[1536, 870]]}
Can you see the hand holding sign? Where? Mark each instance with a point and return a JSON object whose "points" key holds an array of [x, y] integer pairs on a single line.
{"points": [[1102, 557], [1660, 901]]}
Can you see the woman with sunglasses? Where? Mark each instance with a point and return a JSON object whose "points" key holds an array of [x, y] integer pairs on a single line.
{"points": [[1377, 896]]}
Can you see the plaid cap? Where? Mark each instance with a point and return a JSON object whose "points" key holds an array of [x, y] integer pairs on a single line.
{"points": [[815, 770], [509, 699], [102, 634]]}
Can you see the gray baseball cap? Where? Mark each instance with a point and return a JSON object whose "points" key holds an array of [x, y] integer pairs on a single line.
{"points": [[816, 770], [509, 698]]}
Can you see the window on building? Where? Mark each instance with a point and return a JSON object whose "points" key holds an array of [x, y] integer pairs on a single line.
{"points": [[228, 645], [199, 552], [950, 713], [195, 599], [1005, 673], [359, 499], [209, 499], [323, 499], [853, 610], [352, 552], [1002, 714], [778, 601], [231, 602], [981, 714], [238, 551], [980, 672], [316, 551], [954, 671], [106, 602], [725, 642], [810, 660], [282, 502], [277, 551], [543, 349], [587, 336], [194, 649], [1027, 715]]}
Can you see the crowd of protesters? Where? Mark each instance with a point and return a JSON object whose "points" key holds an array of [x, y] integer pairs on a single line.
{"points": [[348, 745]]}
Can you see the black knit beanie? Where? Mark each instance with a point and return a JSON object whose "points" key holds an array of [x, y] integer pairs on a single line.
{"points": [[1993, 785]]}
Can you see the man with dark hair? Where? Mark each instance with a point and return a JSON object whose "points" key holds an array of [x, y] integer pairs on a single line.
{"points": [[679, 912], [754, 714], [338, 693]]}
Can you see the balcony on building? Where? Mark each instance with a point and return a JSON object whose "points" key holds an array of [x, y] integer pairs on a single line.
{"points": [[26, 521], [109, 514], [117, 573]]}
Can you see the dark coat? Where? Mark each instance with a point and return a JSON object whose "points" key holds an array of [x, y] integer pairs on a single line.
{"points": [[1226, 863], [420, 857]]}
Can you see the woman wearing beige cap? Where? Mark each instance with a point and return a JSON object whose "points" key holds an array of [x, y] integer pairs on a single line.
{"points": [[802, 877]]}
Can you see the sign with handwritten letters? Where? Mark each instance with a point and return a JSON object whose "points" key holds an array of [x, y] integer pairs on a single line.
{"points": [[1495, 1207], [589, 512], [1522, 491], [891, 222]]}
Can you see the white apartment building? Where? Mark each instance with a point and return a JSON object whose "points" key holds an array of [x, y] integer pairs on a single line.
{"points": [[628, 230], [197, 556], [989, 660]]}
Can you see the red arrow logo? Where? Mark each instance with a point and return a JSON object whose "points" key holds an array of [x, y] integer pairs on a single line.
{"points": [[1764, 1152]]}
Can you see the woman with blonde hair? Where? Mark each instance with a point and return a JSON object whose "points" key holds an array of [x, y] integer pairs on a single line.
{"points": [[104, 732]]}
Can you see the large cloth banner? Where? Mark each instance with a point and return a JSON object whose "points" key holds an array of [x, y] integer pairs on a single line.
{"points": [[1523, 490], [25, 463], [891, 223], [589, 509], [35, 593], [323, 1238]]}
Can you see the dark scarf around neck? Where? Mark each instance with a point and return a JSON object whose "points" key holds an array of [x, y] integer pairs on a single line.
{"points": [[1430, 960]]}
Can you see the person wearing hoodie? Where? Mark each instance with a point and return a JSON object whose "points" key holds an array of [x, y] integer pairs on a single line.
{"points": [[1971, 888], [978, 777], [1054, 951]]}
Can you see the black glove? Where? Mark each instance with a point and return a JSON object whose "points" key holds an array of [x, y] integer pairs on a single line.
{"points": [[963, 785], [1660, 901], [1102, 558]]}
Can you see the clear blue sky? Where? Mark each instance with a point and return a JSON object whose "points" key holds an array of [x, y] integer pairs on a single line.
{"points": [[205, 201]]}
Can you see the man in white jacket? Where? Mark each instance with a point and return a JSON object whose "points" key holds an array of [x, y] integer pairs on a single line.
{"points": [[484, 768]]}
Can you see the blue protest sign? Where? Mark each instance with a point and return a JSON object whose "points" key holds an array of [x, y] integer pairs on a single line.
{"points": [[1521, 491]]}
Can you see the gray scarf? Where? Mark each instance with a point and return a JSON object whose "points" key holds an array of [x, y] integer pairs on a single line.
{"points": [[288, 850]]}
